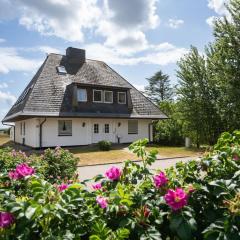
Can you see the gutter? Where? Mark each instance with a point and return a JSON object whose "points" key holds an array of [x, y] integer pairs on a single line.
{"points": [[40, 134], [6, 124]]}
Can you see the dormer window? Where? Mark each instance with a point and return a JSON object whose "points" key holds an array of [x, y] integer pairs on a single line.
{"points": [[121, 97], [82, 95], [108, 96], [97, 95], [61, 70]]}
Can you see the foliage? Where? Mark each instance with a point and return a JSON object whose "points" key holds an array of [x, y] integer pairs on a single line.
{"points": [[61, 163], [210, 82], [159, 88], [170, 131], [195, 200], [104, 145], [51, 165]]}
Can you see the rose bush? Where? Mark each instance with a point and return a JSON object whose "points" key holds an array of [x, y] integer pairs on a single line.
{"points": [[199, 199]]}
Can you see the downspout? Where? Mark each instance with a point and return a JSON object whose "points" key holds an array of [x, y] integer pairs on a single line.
{"points": [[13, 129], [40, 133]]}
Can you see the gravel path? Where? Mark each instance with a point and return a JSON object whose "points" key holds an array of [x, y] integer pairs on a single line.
{"points": [[87, 172]]}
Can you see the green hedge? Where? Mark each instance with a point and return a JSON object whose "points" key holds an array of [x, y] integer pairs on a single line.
{"points": [[199, 199]]}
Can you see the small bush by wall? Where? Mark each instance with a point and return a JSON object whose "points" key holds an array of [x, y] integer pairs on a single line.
{"points": [[104, 145]]}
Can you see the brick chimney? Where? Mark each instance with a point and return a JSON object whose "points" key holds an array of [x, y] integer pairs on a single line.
{"points": [[75, 56]]}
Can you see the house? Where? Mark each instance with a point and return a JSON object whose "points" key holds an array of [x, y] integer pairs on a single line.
{"points": [[72, 100]]}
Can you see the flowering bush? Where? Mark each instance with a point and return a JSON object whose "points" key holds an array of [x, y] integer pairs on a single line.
{"points": [[199, 199]]}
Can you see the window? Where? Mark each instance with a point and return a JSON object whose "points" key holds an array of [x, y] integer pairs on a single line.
{"points": [[82, 95], [24, 128], [97, 95], [64, 128], [132, 127], [21, 128], [61, 70], [106, 128], [122, 97], [96, 128], [108, 96]]}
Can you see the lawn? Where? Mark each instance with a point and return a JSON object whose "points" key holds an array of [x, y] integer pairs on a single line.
{"points": [[166, 151], [4, 139], [91, 155]]}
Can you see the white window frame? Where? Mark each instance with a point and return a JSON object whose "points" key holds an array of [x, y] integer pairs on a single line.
{"points": [[105, 95], [61, 133], [78, 92], [107, 124], [137, 127], [125, 97], [96, 124], [96, 90]]}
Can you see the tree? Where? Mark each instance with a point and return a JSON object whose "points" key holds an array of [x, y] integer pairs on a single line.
{"points": [[197, 99], [224, 66], [170, 131], [159, 88]]}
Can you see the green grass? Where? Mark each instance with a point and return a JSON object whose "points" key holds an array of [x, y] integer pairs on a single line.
{"points": [[90, 155], [4, 139], [168, 151]]}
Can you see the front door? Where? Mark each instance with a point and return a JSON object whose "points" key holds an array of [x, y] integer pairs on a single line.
{"points": [[102, 130]]}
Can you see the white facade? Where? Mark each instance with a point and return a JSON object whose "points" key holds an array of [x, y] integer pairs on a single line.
{"points": [[28, 131]]}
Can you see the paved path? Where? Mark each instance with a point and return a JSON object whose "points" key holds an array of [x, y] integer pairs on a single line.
{"points": [[87, 172]]}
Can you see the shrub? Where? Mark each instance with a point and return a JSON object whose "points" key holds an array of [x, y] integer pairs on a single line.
{"points": [[61, 164], [195, 200], [104, 145]]}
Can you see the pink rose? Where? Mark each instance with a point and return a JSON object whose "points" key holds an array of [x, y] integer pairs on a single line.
{"points": [[113, 173], [160, 180], [21, 171], [62, 187], [102, 201], [97, 186], [235, 157], [6, 219], [176, 199]]}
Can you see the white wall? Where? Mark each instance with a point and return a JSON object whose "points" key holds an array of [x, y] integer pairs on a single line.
{"points": [[81, 135], [31, 132]]}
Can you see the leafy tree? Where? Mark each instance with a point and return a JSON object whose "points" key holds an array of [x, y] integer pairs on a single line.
{"points": [[197, 98], [224, 66], [170, 131], [159, 88]]}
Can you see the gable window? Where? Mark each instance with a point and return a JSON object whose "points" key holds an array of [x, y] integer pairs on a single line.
{"points": [[65, 128], [108, 96], [96, 128], [97, 95], [82, 95], [132, 127], [121, 97], [106, 128]]}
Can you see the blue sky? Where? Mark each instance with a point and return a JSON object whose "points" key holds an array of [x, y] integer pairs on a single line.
{"points": [[135, 37]]}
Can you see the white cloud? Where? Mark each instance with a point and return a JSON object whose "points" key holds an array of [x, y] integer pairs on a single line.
{"points": [[10, 60], [2, 40], [7, 97], [66, 19], [121, 23], [218, 6], [175, 23], [162, 54], [125, 23], [139, 87], [48, 49], [3, 85]]}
